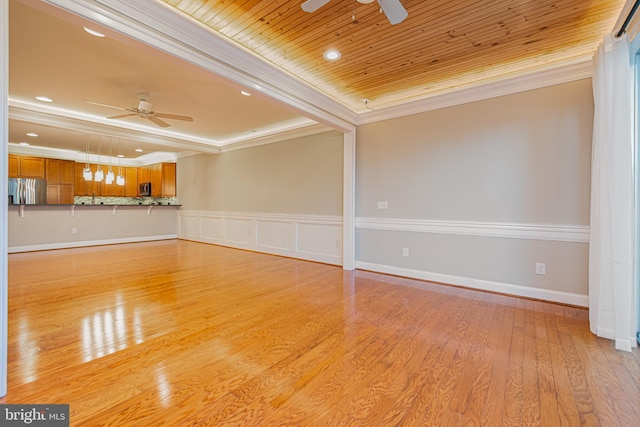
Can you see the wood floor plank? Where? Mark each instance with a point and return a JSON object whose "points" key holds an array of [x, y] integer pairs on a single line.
{"points": [[531, 412], [183, 333]]}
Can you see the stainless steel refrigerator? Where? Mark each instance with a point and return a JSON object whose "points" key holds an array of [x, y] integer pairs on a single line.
{"points": [[27, 191]]}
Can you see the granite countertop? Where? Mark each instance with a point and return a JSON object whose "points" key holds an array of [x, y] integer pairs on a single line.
{"points": [[99, 204], [122, 204]]}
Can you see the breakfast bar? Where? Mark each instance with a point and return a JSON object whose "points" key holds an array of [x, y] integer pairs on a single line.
{"points": [[49, 226]]}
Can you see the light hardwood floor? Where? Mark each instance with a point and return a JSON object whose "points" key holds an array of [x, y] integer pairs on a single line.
{"points": [[180, 333]]}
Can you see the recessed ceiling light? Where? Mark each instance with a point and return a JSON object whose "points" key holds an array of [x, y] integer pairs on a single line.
{"points": [[120, 155], [32, 134], [139, 150], [23, 143], [332, 55], [245, 93], [44, 99], [93, 32]]}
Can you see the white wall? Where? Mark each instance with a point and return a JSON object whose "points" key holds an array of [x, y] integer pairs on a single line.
{"points": [[298, 176], [479, 193], [283, 198]]}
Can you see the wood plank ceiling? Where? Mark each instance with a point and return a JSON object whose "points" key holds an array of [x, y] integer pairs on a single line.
{"points": [[443, 44]]}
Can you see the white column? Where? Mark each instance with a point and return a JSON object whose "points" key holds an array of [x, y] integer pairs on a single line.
{"points": [[348, 201]]}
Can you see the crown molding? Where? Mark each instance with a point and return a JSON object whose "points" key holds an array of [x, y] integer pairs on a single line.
{"points": [[76, 156], [65, 119], [564, 72], [281, 135]]}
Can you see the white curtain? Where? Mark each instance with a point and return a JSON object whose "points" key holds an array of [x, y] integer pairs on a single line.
{"points": [[612, 292]]}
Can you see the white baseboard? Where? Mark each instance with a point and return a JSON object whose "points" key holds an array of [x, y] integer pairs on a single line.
{"points": [[626, 345], [67, 245], [485, 285]]}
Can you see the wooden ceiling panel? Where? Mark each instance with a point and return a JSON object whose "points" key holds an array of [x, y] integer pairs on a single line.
{"points": [[443, 43]]}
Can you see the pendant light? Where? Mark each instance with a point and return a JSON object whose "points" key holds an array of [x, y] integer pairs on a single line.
{"points": [[120, 178], [110, 175], [86, 172], [99, 175]]}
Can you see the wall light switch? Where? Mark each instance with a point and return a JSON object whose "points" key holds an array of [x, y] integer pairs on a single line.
{"points": [[383, 204]]}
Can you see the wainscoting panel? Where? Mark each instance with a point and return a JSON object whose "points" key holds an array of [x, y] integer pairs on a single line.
{"points": [[316, 239], [238, 230], [189, 225], [309, 237], [212, 228], [273, 234]]}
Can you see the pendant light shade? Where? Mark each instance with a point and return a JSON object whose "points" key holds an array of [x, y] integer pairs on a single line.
{"points": [[86, 172], [120, 177], [99, 175]]}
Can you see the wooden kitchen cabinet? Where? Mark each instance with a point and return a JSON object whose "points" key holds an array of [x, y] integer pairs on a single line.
{"points": [[131, 182], [168, 179], [26, 167], [60, 171], [156, 180], [60, 194], [87, 188], [60, 181], [14, 166], [162, 177]]}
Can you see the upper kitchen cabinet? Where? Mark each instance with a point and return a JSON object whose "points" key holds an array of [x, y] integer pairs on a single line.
{"points": [[60, 171], [60, 181], [86, 188], [130, 182], [162, 177], [26, 167]]}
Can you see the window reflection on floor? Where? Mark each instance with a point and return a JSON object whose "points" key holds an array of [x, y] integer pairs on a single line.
{"points": [[105, 332]]}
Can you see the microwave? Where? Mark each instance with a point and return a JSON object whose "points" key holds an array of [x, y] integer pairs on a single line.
{"points": [[145, 189]]}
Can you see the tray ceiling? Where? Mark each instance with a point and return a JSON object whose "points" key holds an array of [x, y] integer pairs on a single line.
{"points": [[443, 44]]}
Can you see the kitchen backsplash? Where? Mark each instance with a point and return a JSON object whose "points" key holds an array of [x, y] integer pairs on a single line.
{"points": [[99, 200]]}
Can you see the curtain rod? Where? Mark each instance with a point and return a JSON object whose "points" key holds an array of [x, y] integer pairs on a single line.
{"points": [[632, 12]]}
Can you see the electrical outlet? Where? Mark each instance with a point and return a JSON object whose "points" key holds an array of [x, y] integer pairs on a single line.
{"points": [[74, 230], [541, 268], [383, 204], [405, 251]]}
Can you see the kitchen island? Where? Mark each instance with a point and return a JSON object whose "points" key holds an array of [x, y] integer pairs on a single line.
{"points": [[42, 227]]}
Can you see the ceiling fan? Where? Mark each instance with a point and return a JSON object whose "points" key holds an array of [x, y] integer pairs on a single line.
{"points": [[144, 110], [393, 9]]}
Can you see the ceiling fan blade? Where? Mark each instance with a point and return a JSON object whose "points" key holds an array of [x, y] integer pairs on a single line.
{"points": [[119, 116], [396, 13], [174, 117], [106, 105], [313, 5], [159, 122]]}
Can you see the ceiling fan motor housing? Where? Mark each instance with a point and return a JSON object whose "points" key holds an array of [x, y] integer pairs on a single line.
{"points": [[145, 107]]}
